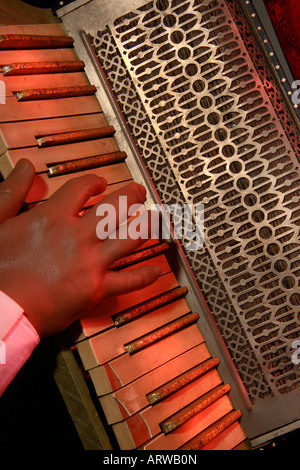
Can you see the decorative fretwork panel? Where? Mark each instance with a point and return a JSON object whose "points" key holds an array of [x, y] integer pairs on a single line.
{"points": [[197, 105]]}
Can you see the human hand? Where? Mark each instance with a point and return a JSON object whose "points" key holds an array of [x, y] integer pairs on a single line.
{"points": [[51, 261]]}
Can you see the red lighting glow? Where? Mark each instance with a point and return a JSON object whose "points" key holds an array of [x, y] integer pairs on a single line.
{"points": [[285, 16]]}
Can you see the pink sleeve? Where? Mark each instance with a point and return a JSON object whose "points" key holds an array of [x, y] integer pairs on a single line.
{"points": [[18, 339]]}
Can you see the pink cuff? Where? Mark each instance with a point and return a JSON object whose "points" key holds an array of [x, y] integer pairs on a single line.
{"points": [[18, 339]]}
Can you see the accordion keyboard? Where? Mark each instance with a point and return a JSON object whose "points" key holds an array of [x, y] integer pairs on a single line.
{"points": [[157, 383]]}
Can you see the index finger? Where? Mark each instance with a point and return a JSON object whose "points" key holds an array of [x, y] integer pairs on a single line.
{"points": [[74, 194], [14, 189]]}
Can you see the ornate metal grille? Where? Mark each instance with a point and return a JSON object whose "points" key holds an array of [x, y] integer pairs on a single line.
{"points": [[196, 101]]}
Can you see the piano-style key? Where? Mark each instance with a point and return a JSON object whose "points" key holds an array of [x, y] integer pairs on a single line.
{"points": [[49, 29], [43, 158], [86, 164], [32, 82], [113, 341], [128, 400], [52, 93], [28, 61], [182, 407], [75, 136], [92, 324], [152, 304], [232, 438], [127, 368], [26, 133], [193, 408], [140, 255], [14, 111], [171, 387], [162, 332], [33, 68], [30, 41], [209, 434], [191, 428]]}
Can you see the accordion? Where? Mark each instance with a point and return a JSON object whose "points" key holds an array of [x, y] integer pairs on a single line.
{"points": [[190, 99]]}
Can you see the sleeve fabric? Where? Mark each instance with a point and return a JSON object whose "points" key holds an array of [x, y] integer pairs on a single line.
{"points": [[18, 339]]}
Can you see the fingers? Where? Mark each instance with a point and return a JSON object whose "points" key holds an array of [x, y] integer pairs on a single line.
{"points": [[14, 189], [115, 208], [71, 197], [118, 283]]}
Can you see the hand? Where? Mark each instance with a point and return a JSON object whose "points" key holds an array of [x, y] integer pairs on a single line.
{"points": [[51, 261]]}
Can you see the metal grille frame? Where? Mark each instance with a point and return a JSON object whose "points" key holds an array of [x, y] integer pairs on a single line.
{"points": [[212, 126]]}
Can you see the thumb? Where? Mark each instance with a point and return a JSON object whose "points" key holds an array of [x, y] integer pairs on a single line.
{"points": [[14, 189]]}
